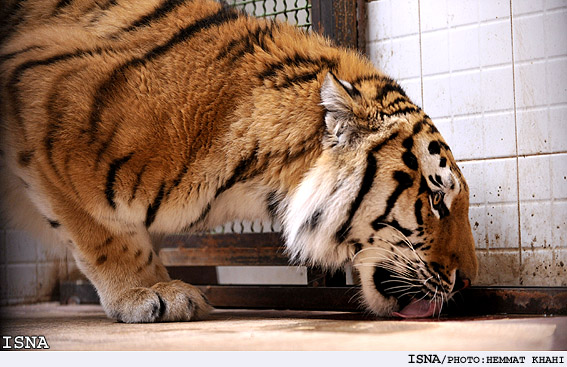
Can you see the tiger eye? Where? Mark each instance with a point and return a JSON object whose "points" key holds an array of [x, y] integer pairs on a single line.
{"points": [[437, 198]]}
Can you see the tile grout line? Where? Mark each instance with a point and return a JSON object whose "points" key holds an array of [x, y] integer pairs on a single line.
{"points": [[548, 116], [517, 148], [529, 155], [420, 52]]}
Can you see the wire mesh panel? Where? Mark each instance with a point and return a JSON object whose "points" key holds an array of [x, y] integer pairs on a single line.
{"points": [[297, 12]]}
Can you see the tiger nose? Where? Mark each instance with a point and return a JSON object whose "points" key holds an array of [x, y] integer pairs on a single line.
{"points": [[461, 282]]}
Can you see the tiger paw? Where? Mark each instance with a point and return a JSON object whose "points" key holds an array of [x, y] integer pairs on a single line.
{"points": [[166, 301]]}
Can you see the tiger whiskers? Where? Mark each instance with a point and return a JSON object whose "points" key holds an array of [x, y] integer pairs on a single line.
{"points": [[410, 274]]}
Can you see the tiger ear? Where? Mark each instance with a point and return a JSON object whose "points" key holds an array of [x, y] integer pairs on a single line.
{"points": [[337, 96]]}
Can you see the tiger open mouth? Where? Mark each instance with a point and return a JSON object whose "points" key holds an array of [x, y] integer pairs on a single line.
{"points": [[415, 300]]}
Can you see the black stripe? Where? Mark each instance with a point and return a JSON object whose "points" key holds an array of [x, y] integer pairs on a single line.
{"points": [[391, 86], [408, 157], [296, 80], [362, 78], [423, 186], [160, 12], [438, 268], [224, 52], [404, 182], [63, 3], [296, 61], [17, 74], [201, 218], [418, 217], [55, 118], [48, 142], [101, 96], [435, 182], [365, 186], [150, 258], [241, 172], [418, 245], [105, 145], [357, 247], [102, 7], [352, 92], [443, 162], [247, 42], [418, 127], [410, 160], [137, 182], [162, 307], [10, 18], [312, 222], [403, 111], [101, 260], [178, 179], [66, 161], [11, 55], [377, 225], [25, 157], [398, 100], [53, 223], [442, 209], [111, 178], [105, 244], [439, 179], [248, 48], [273, 203], [380, 145], [434, 147], [60, 5], [153, 207]]}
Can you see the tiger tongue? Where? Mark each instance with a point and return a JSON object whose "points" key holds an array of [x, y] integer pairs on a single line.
{"points": [[419, 309]]}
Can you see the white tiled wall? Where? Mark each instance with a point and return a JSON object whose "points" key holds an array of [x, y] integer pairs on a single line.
{"points": [[493, 76], [29, 271]]}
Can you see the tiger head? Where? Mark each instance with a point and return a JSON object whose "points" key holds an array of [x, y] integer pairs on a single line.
{"points": [[386, 194]]}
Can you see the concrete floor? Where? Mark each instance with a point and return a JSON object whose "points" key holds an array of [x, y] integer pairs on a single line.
{"points": [[85, 327]]}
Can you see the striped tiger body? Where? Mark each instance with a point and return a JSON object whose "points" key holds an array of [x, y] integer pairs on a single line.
{"points": [[122, 119]]}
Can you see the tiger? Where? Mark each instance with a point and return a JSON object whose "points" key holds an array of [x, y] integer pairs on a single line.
{"points": [[125, 120]]}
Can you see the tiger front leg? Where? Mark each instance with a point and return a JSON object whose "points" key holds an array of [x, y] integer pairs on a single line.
{"points": [[132, 283]]}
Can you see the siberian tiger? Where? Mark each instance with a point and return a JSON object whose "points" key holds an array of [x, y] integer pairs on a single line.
{"points": [[127, 118]]}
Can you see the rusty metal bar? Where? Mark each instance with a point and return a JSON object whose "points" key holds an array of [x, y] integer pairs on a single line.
{"points": [[475, 301], [280, 297], [510, 300], [337, 20], [362, 23], [223, 249]]}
